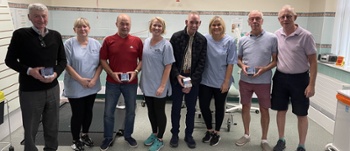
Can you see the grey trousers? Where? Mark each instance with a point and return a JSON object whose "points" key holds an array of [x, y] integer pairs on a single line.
{"points": [[44, 106]]}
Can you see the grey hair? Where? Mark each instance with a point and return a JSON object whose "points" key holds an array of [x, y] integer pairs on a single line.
{"points": [[256, 11], [289, 8], [37, 6]]}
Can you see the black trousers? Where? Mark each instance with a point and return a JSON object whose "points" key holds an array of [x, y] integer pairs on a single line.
{"points": [[205, 95], [81, 114], [156, 114]]}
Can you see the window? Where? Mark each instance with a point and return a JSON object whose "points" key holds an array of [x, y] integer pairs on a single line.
{"points": [[341, 31]]}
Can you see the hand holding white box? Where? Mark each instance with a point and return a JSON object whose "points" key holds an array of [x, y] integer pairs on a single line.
{"points": [[187, 82]]}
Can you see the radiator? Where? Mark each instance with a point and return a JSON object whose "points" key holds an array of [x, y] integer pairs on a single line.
{"points": [[324, 104]]}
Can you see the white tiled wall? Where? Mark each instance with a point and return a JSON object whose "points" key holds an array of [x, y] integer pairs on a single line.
{"points": [[103, 23]]}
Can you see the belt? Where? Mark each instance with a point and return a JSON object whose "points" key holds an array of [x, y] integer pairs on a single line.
{"points": [[303, 73], [186, 71]]}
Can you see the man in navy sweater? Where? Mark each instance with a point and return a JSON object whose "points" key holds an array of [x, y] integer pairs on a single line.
{"points": [[37, 53]]}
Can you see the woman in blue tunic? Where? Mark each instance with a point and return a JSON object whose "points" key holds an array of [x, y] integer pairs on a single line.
{"points": [[217, 77], [157, 59], [82, 81]]}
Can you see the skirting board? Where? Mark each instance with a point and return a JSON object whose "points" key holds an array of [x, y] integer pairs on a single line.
{"points": [[321, 119]]}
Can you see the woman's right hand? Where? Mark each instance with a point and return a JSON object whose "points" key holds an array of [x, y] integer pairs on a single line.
{"points": [[85, 82]]}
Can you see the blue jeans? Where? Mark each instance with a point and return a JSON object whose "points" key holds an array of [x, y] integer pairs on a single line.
{"points": [[113, 92], [190, 100]]}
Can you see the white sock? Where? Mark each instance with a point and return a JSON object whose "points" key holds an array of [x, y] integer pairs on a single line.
{"points": [[246, 136], [264, 141]]}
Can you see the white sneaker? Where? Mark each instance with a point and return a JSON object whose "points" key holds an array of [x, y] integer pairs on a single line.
{"points": [[265, 146], [243, 140], [120, 106]]}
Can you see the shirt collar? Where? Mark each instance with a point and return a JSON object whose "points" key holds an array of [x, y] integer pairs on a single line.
{"points": [[297, 30], [252, 35], [186, 31], [295, 33], [38, 31]]}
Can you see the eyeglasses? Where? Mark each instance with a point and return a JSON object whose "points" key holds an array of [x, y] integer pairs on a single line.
{"points": [[255, 18], [288, 17], [42, 42]]}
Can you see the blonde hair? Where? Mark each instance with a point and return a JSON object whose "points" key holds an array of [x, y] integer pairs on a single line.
{"points": [[80, 22], [161, 20], [222, 22]]}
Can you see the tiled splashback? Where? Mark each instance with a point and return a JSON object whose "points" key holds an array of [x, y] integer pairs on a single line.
{"points": [[335, 72]]}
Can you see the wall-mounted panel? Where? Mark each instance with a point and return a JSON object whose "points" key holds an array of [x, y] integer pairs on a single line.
{"points": [[8, 77]]}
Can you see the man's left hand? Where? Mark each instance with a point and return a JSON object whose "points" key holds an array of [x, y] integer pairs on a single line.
{"points": [[186, 90], [133, 75]]}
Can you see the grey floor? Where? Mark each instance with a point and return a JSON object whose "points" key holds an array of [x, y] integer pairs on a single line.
{"points": [[317, 137]]}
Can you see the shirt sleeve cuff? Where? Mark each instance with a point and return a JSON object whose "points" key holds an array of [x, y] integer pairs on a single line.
{"points": [[29, 70]]}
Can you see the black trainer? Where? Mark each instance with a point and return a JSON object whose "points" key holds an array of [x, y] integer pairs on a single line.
{"points": [[174, 141], [280, 146], [86, 140], [207, 137], [78, 145], [301, 148], [190, 142], [131, 141], [215, 139], [106, 143]]}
